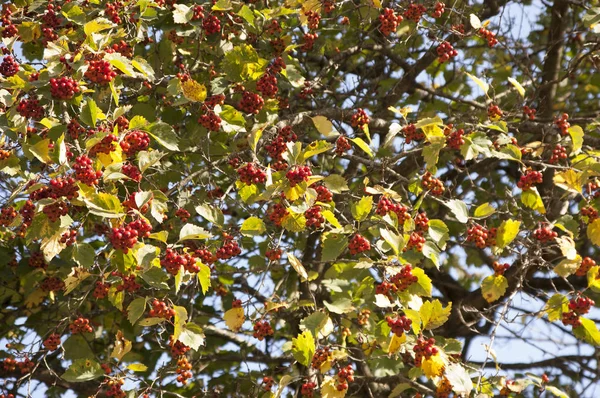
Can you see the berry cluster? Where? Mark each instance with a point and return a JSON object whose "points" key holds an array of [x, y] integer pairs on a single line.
{"points": [[198, 13], [84, 171], [184, 368], [344, 376], [411, 134], [455, 139], [37, 261], [404, 279], [129, 284], [385, 205], [64, 88], [251, 102], [74, 129], [314, 218], [298, 174], [4, 154], [415, 12], [494, 112], [562, 123], [173, 261], [277, 214], [435, 186], [100, 72], [30, 108], [214, 100], [438, 10], [177, 347], [268, 383], [205, 255], [182, 214], [210, 121], [56, 210], [529, 112], [52, 284], [386, 288], [358, 244], [363, 317], [531, 178], [313, 19], [323, 194], [229, 249], [399, 325], [424, 349], [577, 306], [389, 21], [262, 329], [586, 264], [277, 146], [135, 142], [481, 236], [321, 356], [277, 65], [422, 222], [132, 172], [443, 389], [161, 310], [7, 216], [142, 227], [360, 119], [544, 234], [267, 85], [123, 238], [445, 51], [558, 153], [307, 389], [101, 290], [500, 269], [250, 174], [273, 254], [489, 36], [211, 25], [81, 325], [9, 67], [416, 241], [342, 145], [112, 11], [309, 41], [52, 342], [122, 48]]}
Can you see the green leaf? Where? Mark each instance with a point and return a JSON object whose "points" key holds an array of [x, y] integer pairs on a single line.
{"points": [[395, 241], [433, 315], [361, 210], [165, 135], [116, 297], [459, 209], [84, 255], [532, 199], [246, 13], [90, 113], [294, 222], [483, 85], [204, 277], [555, 306], [330, 217], [484, 210], [332, 246], [363, 145], [588, 331], [303, 348], [83, 370], [439, 232], [556, 392], [493, 287], [340, 306], [161, 236], [76, 347], [136, 309], [507, 232], [318, 323], [192, 336], [181, 317], [336, 183], [156, 278], [424, 286], [253, 226], [41, 151], [104, 205], [431, 152], [193, 232]]}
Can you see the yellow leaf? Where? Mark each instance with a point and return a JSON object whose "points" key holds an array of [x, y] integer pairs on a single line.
{"points": [[114, 156], [297, 265], [234, 318], [137, 367], [329, 389], [363, 145], [593, 232], [483, 85], [324, 126], [569, 180], [122, 346], [395, 343], [402, 111], [518, 86], [576, 133], [193, 91], [433, 366], [35, 298], [568, 267], [433, 315], [76, 276], [493, 287]]}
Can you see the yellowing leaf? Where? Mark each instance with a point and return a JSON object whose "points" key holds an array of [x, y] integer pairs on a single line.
{"points": [[475, 22], [484, 210], [576, 134], [324, 126], [507, 232], [433, 315], [518, 86], [569, 180], [532, 199], [555, 307], [567, 267], [361, 210], [181, 317], [193, 91], [122, 346], [303, 347], [493, 287], [253, 226], [76, 276], [294, 222], [395, 343], [483, 85], [204, 277], [329, 389], [363, 145], [593, 232], [297, 265], [433, 366], [137, 367], [234, 318]]}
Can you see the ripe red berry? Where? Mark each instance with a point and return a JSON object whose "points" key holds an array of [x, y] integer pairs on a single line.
{"points": [[358, 244], [64, 88]]}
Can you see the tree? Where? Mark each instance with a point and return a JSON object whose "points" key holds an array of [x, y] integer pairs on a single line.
{"points": [[318, 199]]}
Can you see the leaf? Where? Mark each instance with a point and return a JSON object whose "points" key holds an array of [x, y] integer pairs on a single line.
{"points": [[431, 152], [90, 113], [137, 367], [193, 91], [315, 148], [484, 211], [297, 265], [340, 306], [182, 14], [120, 62], [361, 209], [136, 309], [294, 222], [459, 378], [483, 85], [192, 336], [532, 199], [399, 389], [331, 218], [83, 254], [363, 145], [165, 135], [555, 307], [318, 323], [336, 183], [395, 343], [433, 315], [83, 370], [459, 209], [569, 180], [593, 232], [588, 331], [41, 151], [395, 241], [329, 389], [439, 232], [97, 25], [246, 13], [104, 205], [211, 213], [567, 247], [253, 226], [332, 246], [517, 86], [74, 278], [567, 267], [475, 22], [181, 317], [234, 318], [507, 232], [204, 277], [576, 134], [121, 346], [303, 347], [324, 126], [151, 321], [424, 286], [556, 392], [193, 232], [433, 366], [493, 287]]}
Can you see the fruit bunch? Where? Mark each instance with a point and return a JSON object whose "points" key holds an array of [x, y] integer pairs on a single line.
{"points": [[586, 264], [298, 174], [399, 325], [64, 88], [445, 52], [262, 329], [544, 234], [251, 174], [80, 325], [358, 244], [100, 72], [481, 236], [500, 269], [531, 178], [404, 279], [344, 376], [411, 133], [161, 310], [389, 21], [134, 142], [562, 123], [424, 349]]}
